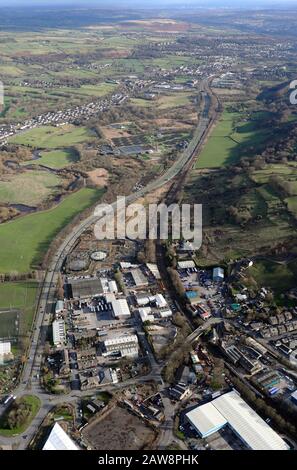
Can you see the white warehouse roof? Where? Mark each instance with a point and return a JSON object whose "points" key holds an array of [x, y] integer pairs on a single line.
{"points": [[5, 348], [120, 308], [246, 423], [186, 264], [59, 440], [206, 419], [59, 333], [242, 419], [160, 301]]}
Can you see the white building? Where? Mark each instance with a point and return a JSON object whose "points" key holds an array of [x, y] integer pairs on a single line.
{"points": [[112, 287], [160, 301], [59, 440], [230, 409], [120, 308], [59, 307], [165, 313], [59, 332], [153, 268], [126, 345], [145, 314], [186, 264], [218, 274], [5, 348]]}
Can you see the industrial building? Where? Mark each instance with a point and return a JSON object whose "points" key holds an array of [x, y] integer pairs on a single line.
{"points": [[59, 440], [153, 268], [218, 274], [230, 409], [139, 278], [120, 308], [59, 332], [126, 345], [5, 348], [186, 264], [206, 419], [145, 314], [59, 307], [160, 301]]}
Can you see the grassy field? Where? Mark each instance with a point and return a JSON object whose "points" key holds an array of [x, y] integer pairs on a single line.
{"points": [[30, 187], [280, 277], [229, 140], [99, 90], [24, 240], [174, 101], [31, 400], [142, 103], [55, 158], [9, 324], [53, 137], [20, 296], [292, 205]]}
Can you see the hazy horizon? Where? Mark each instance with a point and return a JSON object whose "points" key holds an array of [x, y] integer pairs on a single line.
{"points": [[255, 4]]}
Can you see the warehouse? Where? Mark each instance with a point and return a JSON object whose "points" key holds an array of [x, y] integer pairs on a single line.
{"points": [[160, 301], [186, 264], [139, 278], [145, 314], [59, 440], [124, 345], [5, 348], [153, 268], [206, 419], [120, 308], [59, 334], [253, 431], [218, 274]]}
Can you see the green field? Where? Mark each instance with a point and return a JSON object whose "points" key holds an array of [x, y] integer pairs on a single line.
{"points": [[53, 137], [9, 324], [280, 277], [22, 297], [34, 403], [30, 188], [23, 241], [141, 102], [229, 141], [55, 159], [292, 205], [174, 101], [91, 90]]}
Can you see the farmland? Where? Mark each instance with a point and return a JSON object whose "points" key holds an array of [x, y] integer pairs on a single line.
{"points": [[229, 141], [28, 237]]}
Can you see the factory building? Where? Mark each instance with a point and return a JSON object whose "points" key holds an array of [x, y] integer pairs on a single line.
{"points": [[126, 345], [59, 440], [218, 274], [59, 332], [231, 410]]}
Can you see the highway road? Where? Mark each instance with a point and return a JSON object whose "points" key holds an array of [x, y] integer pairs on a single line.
{"points": [[29, 381]]}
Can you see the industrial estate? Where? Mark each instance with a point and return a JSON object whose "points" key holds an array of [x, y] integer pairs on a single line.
{"points": [[140, 344]]}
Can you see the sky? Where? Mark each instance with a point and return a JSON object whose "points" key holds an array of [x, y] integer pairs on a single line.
{"points": [[151, 3]]}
